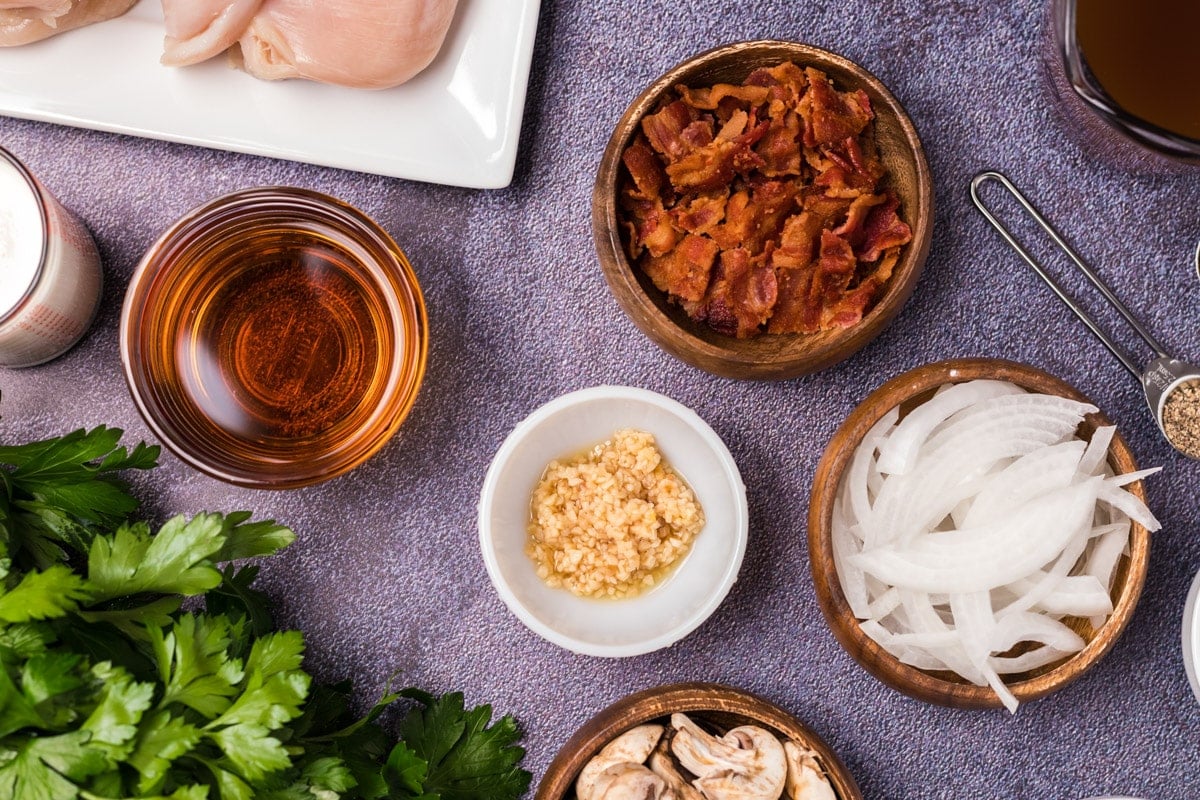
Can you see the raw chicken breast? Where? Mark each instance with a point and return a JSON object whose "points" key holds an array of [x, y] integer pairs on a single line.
{"points": [[197, 30], [25, 21], [372, 44]]}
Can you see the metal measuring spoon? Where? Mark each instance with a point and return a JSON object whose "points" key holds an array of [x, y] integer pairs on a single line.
{"points": [[1172, 386]]}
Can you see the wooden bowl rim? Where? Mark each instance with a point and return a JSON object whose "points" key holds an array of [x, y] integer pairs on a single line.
{"points": [[691, 697], [734, 361], [844, 625]]}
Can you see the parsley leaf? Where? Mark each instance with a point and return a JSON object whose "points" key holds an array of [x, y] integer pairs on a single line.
{"points": [[176, 561], [235, 597], [60, 489], [194, 663], [466, 757], [42, 595], [162, 738]]}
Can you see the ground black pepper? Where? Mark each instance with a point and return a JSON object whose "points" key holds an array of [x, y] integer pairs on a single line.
{"points": [[1181, 418]]}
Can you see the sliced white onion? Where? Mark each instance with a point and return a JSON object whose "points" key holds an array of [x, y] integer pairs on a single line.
{"points": [[1130, 477], [897, 455], [979, 522], [1096, 456], [1128, 504], [979, 559], [1052, 467]]}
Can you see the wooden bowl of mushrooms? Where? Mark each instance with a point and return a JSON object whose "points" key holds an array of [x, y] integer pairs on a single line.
{"points": [[763, 210], [978, 533], [695, 741]]}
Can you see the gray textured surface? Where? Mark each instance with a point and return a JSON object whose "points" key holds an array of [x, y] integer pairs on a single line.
{"points": [[386, 574]]}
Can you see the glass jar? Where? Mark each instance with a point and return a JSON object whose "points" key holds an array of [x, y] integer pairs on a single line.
{"points": [[1128, 55], [50, 277]]}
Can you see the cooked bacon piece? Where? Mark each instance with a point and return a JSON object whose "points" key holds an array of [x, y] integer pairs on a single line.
{"points": [[828, 208], [742, 293], [852, 229], [855, 304], [780, 147], [698, 134], [850, 307], [664, 130], [791, 80], [792, 313], [684, 272], [835, 269], [644, 168], [735, 126], [739, 220], [831, 116], [651, 227], [798, 242], [795, 262], [705, 169], [883, 229], [753, 218], [701, 214], [714, 165], [787, 85], [852, 169], [728, 107], [707, 99], [806, 293], [774, 202], [865, 160]]}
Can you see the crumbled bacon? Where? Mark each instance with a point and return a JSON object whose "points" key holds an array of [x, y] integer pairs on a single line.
{"points": [[684, 272], [652, 228], [646, 171], [832, 116], [709, 98], [700, 214], [778, 149], [757, 207], [664, 130], [742, 294], [883, 229]]}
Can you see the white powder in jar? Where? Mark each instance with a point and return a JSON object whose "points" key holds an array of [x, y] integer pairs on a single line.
{"points": [[50, 276], [22, 236]]}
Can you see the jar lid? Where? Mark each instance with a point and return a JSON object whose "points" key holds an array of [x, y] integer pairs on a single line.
{"points": [[1191, 636], [22, 233]]}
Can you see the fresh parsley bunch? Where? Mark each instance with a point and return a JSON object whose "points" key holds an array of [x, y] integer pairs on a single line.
{"points": [[110, 688]]}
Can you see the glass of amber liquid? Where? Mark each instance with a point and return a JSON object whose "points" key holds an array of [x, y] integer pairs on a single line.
{"points": [[1128, 74], [274, 337]]}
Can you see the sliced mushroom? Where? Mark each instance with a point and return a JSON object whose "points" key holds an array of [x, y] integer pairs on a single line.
{"points": [[748, 763], [805, 778], [634, 746], [629, 781], [663, 765]]}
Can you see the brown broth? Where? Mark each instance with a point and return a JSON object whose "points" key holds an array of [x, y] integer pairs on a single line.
{"points": [[284, 346], [1144, 55]]}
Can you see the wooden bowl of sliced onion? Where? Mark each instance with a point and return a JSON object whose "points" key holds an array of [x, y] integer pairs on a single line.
{"points": [[695, 740], [978, 533]]}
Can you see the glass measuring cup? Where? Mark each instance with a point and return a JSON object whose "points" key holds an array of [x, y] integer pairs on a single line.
{"points": [[1172, 386], [1122, 130]]}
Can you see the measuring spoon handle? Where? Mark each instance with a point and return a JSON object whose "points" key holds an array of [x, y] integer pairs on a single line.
{"points": [[1118, 351]]}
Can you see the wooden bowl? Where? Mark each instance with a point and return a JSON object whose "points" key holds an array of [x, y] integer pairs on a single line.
{"points": [[712, 705], [945, 688], [764, 356]]}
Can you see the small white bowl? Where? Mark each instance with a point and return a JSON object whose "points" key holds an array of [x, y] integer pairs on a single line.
{"points": [[1191, 636], [572, 424]]}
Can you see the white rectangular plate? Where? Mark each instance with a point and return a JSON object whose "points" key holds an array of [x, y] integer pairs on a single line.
{"points": [[455, 123]]}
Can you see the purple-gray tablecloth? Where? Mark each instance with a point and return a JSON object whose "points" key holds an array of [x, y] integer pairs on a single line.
{"points": [[386, 575]]}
